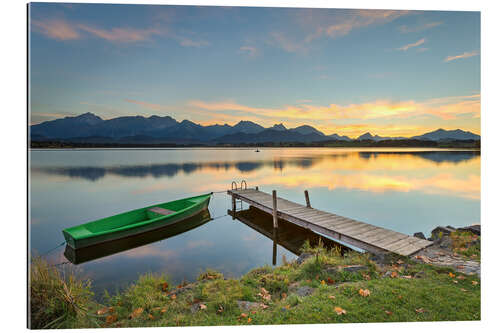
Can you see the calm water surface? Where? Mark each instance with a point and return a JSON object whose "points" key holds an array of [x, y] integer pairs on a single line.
{"points": [[407, 190]]}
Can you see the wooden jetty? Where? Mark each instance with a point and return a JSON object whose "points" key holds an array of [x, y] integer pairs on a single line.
{"points": [[359, 234]]}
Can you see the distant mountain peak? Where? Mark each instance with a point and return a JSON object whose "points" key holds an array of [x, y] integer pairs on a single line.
{"points": [[279, 127]]}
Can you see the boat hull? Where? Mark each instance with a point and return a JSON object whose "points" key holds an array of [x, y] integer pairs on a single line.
{"points": [[82, 236]]}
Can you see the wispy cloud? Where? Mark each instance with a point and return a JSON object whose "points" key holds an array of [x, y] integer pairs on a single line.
{"points": [[121, 35], [187, 42], [353, 19], [461, 56], [56, 29], [286, 43], [408, 46], [251, 51], [61, 29], [417, 28]]}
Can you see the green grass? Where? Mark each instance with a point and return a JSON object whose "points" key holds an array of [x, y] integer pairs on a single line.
{"points": [[466, 244], [436, 296]]}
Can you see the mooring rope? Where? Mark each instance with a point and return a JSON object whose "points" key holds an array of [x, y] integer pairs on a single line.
{"points": [[47, 252]]}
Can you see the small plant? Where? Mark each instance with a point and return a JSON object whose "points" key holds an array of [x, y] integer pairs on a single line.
{"points": [[58, 299]]}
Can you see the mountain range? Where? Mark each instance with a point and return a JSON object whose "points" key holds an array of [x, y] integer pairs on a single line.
{"points": [[88, 127]]}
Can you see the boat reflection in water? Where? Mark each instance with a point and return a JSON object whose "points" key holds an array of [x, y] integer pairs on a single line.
{"points": [[288, 235], [108, 248]]}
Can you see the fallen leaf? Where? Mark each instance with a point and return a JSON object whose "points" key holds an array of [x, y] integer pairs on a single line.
{"points": [[451, 274], [136, 313], [179, 286], [203, 306], [111, 319], [364, 292], [330, 281], [283, 296], [406, 276], [388, 312], [339, 310], [366, 277], [420, 310], [263, 306], [174, 296], [102, 311], [331, 297], [164, 286], [249, 319], [163, 310], [474, 283], [400, 297], [394, 274], [460, 277], [253, 312], [243, 315], [151, 317]]}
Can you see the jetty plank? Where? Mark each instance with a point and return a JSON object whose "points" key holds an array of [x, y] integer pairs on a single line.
{"points": [[359, 234]]}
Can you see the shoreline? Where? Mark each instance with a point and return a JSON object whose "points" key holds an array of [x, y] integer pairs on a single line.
{"points": [[320, 286]]}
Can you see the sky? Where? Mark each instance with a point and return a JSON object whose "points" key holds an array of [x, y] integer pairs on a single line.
{"points": [[345, 71]]}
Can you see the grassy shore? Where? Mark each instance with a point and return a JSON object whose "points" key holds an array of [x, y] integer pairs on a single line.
{"points": [[325, 288]]}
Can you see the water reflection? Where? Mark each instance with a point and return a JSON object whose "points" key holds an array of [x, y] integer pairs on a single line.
{"points": [[108, 248], [288, 235], [170, 170]]}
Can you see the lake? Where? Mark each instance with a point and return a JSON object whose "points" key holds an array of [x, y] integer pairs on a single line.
{"points": [[406, 190]]}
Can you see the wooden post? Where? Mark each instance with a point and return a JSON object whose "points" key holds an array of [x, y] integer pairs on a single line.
{"points": [[256, 188], [275, 211], [275, 247], [233, 202], [308, 203]]}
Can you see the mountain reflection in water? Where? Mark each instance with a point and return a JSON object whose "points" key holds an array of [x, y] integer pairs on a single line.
{"points": [[93, 173]]}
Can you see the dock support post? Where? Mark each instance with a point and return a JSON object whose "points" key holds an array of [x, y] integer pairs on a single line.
{"points": [[233, 204], [275, 210], [256, 188], [308, 203], [275, 247]]}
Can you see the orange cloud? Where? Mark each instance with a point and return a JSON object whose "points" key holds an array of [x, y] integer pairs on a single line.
{"points": [[446, 108], [56, 29], [461, 56]]}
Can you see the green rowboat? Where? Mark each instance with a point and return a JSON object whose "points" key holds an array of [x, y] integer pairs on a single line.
{"points": [[89, 253], [134, 222]]}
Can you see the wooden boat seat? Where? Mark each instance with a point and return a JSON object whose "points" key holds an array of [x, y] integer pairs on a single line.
{"points": [[161, 211]]}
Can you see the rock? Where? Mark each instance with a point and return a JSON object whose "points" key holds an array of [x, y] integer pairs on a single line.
{"points": [[303, 257], [355, 268], [475, 229], [387, 274], [441, 230], [247, 306], [331, 269], [178, 291], [195, 307], [381, 258], [419, 235], [445, 242], [419, 275], [304, 291]]}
